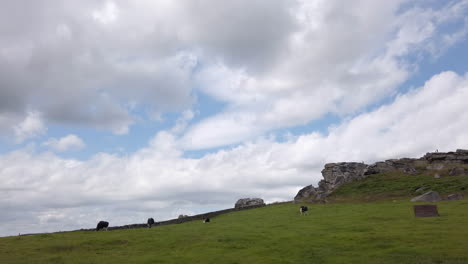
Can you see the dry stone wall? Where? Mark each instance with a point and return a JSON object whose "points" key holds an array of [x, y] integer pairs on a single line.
{"points": [[179, 220]]}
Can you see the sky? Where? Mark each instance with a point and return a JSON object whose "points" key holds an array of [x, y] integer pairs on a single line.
{"points": [[125, 110]]}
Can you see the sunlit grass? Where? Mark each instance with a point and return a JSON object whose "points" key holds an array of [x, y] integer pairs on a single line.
{"points": [[378, 232]]}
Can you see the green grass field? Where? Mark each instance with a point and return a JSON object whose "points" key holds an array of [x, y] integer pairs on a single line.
{"points": [[377, 232]]}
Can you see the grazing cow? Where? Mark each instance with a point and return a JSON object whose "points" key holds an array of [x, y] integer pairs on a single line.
{"points": [[150, 222], [102, 225], [303, 210], [206, 220]]}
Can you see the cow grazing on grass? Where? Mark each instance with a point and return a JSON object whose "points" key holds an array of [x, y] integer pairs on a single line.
{"points": [[150, 222], [102, 225], [303, 210], [206, 220]]}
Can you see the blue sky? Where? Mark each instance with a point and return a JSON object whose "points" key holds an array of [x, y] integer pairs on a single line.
{"points": [[156, 108]]}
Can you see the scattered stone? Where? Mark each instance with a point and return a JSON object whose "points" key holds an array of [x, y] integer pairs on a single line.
{"points": [[247, 202], [437, 176], [454, 197], [425, 210], [457, 171], [430, 196]]}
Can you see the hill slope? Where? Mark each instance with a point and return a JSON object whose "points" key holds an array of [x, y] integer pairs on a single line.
{"points": [[440, 171], [377, 232], [398, 185]]}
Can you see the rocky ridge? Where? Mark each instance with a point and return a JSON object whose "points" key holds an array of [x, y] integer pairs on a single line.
{"points": [[337, 174]]}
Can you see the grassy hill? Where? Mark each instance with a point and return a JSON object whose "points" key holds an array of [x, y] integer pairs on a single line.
{"points": [[398, 185], [383, 231]]}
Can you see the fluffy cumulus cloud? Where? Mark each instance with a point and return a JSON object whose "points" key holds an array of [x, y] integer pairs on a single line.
{"points": [[340, 58], [158, 181], [92, 63], [83, 63], [67, 143], [107, 65]]}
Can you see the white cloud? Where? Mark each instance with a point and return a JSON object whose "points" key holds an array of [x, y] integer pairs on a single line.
{"points": [[107, 14], [339, 60], [287, 64], [67, 143], [32, 126], [54, 193]]}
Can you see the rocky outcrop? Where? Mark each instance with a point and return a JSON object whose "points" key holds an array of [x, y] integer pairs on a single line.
{"points": [[334, 175], [249, 202], [460, 156], [430, 196], [307, 194], [337, 174], [404, 165]]}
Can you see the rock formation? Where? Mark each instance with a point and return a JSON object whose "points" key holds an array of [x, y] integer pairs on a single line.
{"points": [[247, 202], [334, 175], [307, 194], [337, 174], [460, 156]]}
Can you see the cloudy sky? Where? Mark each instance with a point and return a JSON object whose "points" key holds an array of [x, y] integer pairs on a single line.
{"points": [[124, 110]]}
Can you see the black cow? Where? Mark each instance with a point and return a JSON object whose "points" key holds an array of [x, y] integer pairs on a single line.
{"points": [[150, 222], [102, 225], [206, 220], [303, 210]]}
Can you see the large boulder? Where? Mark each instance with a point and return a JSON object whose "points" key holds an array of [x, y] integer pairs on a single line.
{"points": [[430, 196], [248, 202], [337, 174], [306, 194]]}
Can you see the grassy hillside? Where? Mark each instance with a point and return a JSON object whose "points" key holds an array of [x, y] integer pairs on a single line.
{"points": [[378, 232], [397, 185]]}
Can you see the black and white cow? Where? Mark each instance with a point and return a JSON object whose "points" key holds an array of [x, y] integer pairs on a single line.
{"points": [[303, 209], [206, 220], [150, 222], [102, 225]]}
